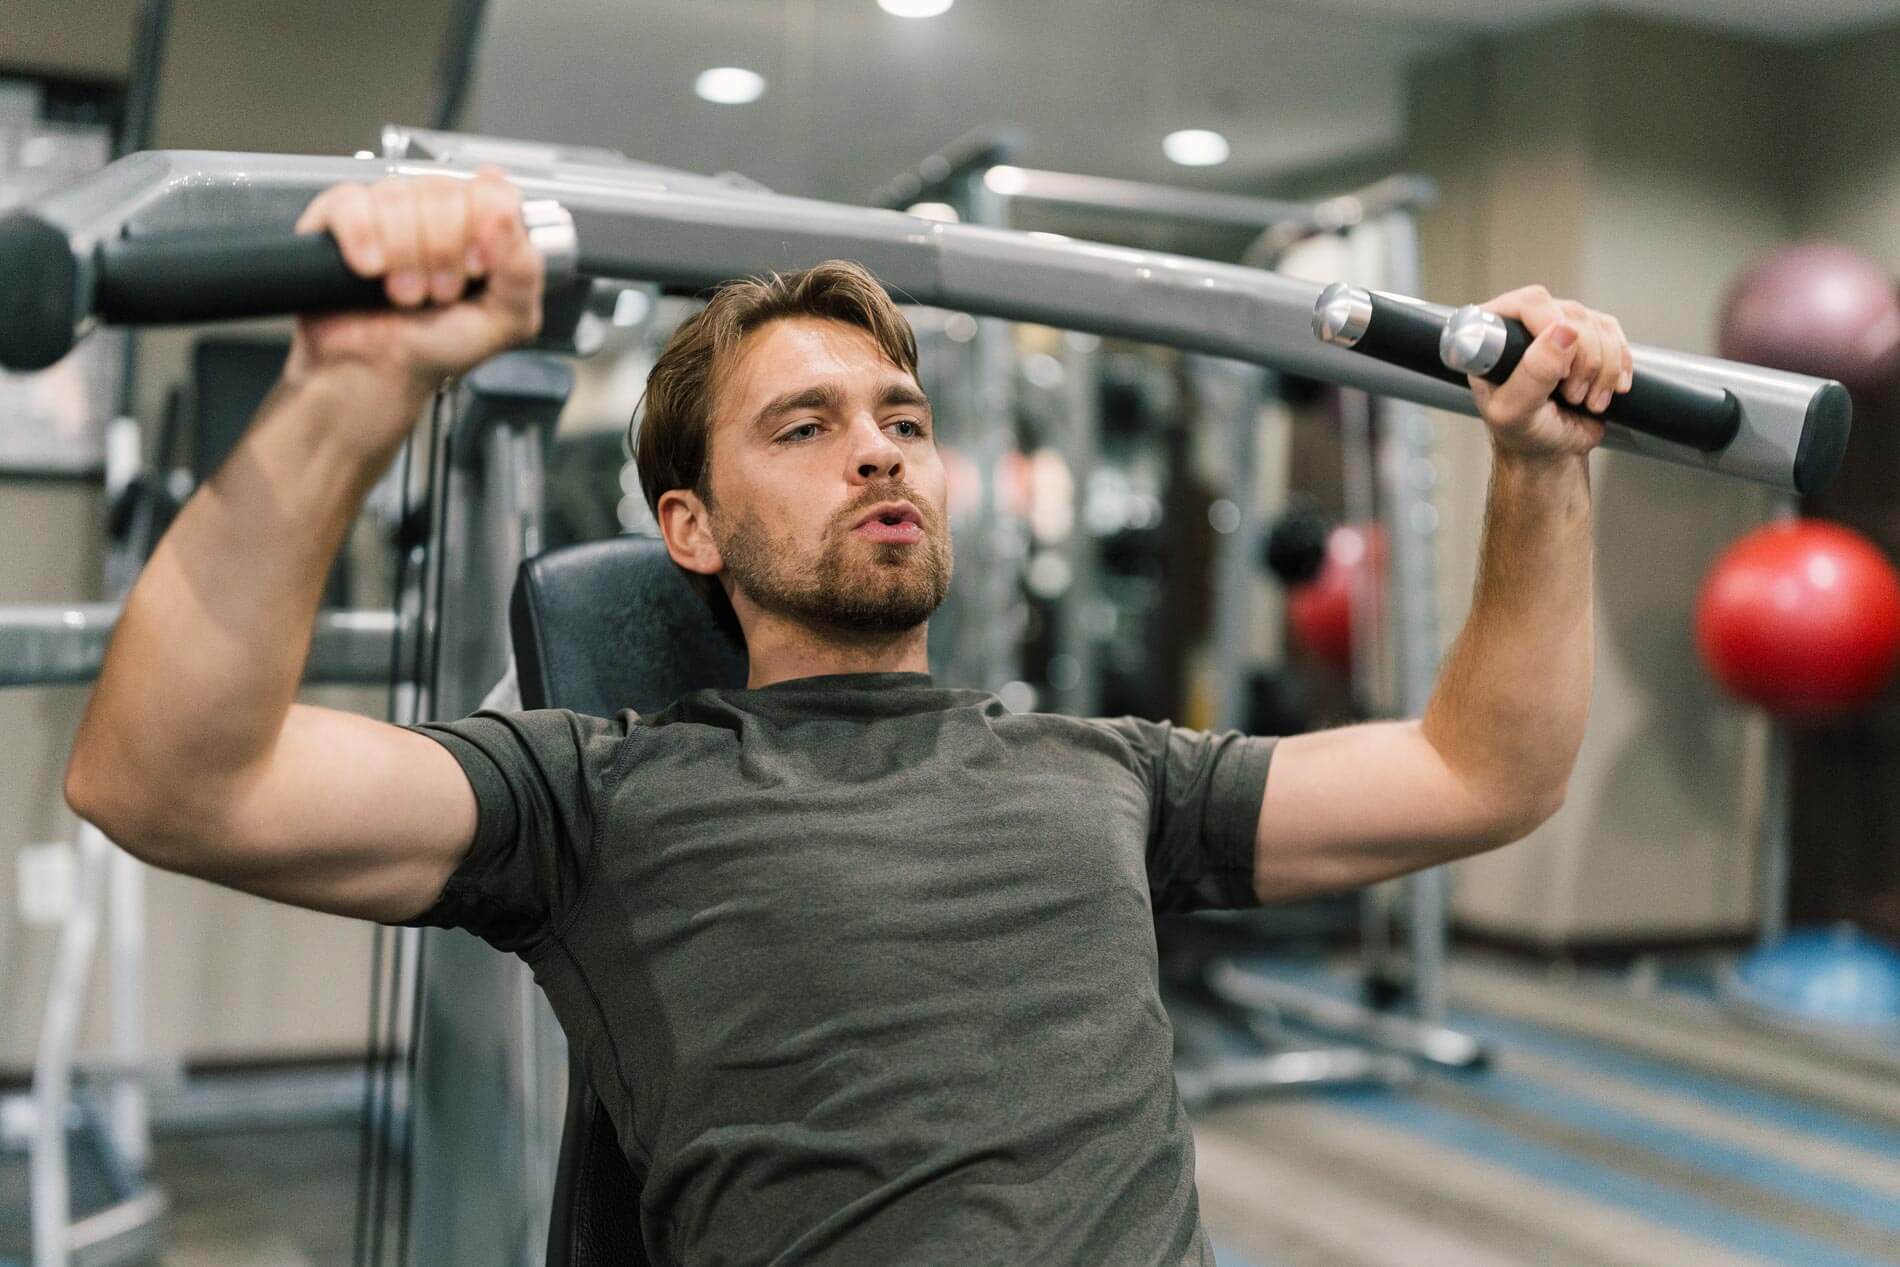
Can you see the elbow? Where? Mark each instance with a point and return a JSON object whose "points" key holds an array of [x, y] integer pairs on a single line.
{"points": [[91, 799], [1526, 814], [124, 816], [85, 794]]}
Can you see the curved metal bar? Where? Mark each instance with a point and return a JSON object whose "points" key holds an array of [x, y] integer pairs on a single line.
{"points": [[637, 222]]}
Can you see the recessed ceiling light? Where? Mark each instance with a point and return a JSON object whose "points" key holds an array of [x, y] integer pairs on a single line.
{"points": [[915, 8], [1196, 147], [730, 85]]}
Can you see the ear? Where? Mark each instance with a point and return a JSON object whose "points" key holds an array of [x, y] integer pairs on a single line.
{"points": [[687, 533]]}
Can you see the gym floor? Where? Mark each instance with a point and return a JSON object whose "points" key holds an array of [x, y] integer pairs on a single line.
{"points": [[1614, 1128]]}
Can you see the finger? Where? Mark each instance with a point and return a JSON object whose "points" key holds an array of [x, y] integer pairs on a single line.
{"points": [[348, 215], [1583, 367], [1546, 364], [1626, 361], [316, 212], [514, 267], [402, 245], [485, 190], [1532, 305], [488, 194], [443, 229], [1610, 367]]}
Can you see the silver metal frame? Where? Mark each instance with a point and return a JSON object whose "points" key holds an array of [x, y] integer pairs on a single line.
{"points": [[63, 644], [1239, 211], [489, 1089], [651, 224]]}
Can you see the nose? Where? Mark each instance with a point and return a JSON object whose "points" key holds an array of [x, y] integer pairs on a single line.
{"points": [[874, 455]]}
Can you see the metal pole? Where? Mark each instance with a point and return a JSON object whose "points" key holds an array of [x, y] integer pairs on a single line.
{"points": [[129, 1117], [485, 1095], [1139, 198], [59, 1039], [1081, 419], [63, 644], [1411, 526], [1358, 475], [1776, 802], [1231, 395], [1000, 547], [1777, 778]]}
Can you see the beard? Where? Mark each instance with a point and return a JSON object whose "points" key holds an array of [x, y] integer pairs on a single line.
{"points": [[849, 583]]}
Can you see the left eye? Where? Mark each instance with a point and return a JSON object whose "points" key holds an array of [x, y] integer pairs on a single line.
{"points": [[916, 428]]}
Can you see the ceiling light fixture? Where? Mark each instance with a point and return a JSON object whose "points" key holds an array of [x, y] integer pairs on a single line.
{"points": [[915, 8], [730, 85], [1196, 147]]}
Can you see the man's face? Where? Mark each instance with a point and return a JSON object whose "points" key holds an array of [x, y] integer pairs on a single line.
{"points": [[813, 429]]}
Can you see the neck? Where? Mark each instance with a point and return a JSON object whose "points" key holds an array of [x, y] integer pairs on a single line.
{"points": [[779, 650]]}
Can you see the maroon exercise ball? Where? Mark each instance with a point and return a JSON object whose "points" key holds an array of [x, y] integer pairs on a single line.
{"points": [[1817, 308], [1321, 611], [1801, 617]]}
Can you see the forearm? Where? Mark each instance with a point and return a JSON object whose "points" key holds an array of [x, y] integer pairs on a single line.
{"points": [[205, 663], [1513, 697]]}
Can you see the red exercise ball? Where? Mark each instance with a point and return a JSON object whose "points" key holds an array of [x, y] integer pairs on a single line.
{"points": [[1801, 617], [1817, 308], [1321, 611]]}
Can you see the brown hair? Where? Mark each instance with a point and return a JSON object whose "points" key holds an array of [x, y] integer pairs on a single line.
{"points": [[671, 432]]}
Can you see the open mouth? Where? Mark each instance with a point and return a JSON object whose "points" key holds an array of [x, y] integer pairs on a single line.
{"points": [[896, 524]]}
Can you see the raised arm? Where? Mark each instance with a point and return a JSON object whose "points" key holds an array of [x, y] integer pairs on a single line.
{"points": [[1490, 759], [193, 754]]}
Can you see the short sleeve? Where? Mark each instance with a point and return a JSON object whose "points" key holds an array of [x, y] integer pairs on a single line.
{"points": [[538, 778], [1205, 790]]}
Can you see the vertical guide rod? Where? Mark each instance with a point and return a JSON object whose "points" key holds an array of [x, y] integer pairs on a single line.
{"points": [[1000, 548], [1236, 392], [1412, 527], [1076, 634]]}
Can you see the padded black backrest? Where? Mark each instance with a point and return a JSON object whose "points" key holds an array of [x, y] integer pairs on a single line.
{"points": [[598, 627]]}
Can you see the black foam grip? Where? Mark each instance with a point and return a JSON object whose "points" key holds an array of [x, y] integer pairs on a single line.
{"points": [[216, 275], [39, 293], [1406, 335], [1704, 418]]}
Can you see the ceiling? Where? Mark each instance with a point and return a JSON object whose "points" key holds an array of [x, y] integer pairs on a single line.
{"points": [[1789, 19], [855, 96]]}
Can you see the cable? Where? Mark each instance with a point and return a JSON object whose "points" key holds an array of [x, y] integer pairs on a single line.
{"points": [[374, 1116], [445, 473]]}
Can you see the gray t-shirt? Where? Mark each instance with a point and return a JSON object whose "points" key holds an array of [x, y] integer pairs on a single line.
{"points": [[863, 969]]}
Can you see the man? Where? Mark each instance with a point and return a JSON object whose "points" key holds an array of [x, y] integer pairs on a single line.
{"points": [[862, 968]]}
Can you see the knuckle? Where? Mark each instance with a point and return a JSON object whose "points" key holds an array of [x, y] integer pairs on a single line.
{"points": [[392, 206]]}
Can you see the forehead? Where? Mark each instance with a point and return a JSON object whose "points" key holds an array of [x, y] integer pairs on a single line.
{"points": [[795, 352]]}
